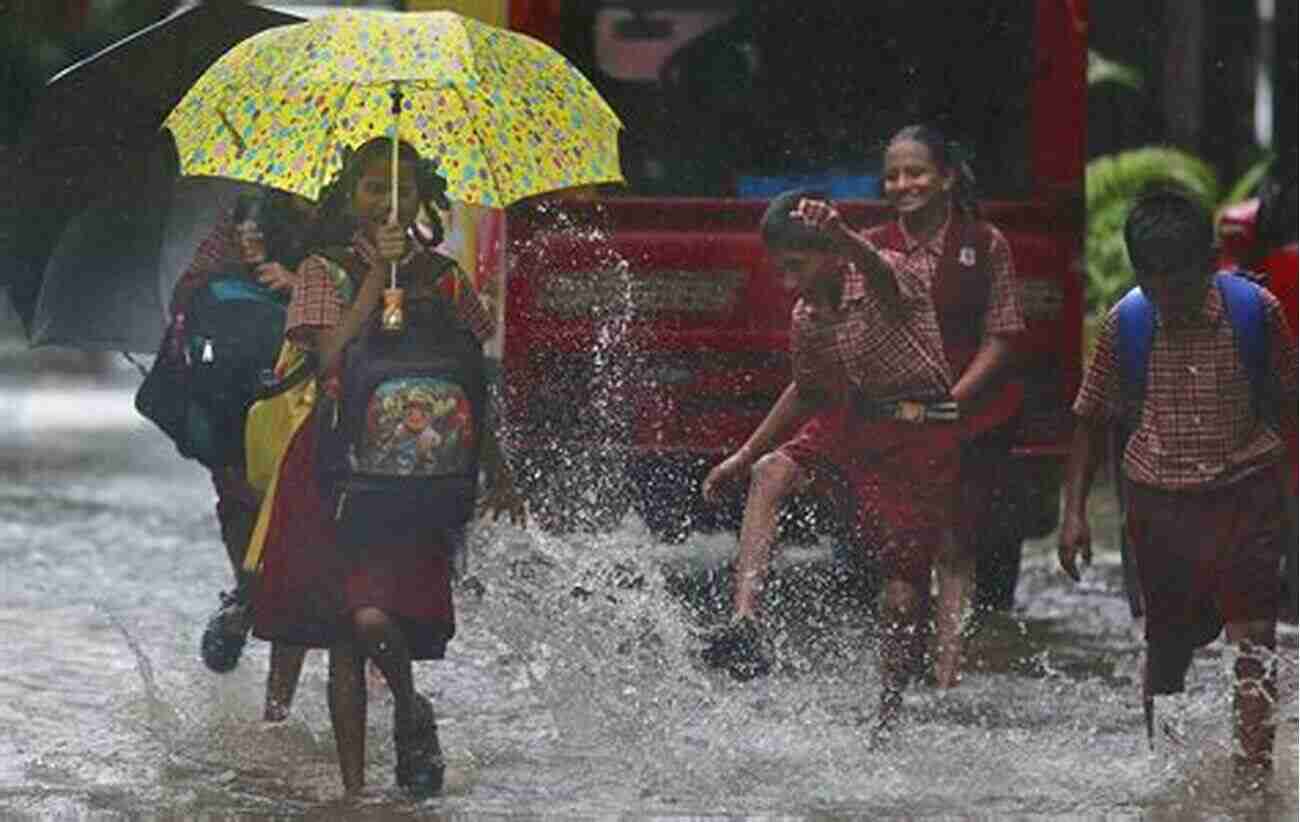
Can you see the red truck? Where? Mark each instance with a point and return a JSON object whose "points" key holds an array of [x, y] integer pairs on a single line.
{"points": [[646, 333]]}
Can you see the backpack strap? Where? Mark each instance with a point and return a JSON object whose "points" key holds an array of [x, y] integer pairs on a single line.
{"points": [[1245, 306], [1135, 332]]}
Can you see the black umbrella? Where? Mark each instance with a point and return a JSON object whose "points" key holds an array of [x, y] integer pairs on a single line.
{"points": [[93, 150], [109, 278]]}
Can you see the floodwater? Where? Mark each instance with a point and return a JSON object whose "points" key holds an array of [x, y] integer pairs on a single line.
{"points": [[573, 688]]}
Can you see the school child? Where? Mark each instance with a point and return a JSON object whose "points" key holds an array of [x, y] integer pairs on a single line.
{"points": [[869, 378], [389, 601], [938, 234], [261, 235], [1200, 369]]}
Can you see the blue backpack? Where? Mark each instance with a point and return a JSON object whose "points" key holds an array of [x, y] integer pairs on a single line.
{"points": [[212, 365]]}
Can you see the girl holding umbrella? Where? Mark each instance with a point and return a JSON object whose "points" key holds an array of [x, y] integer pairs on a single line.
{"points": [[391, 602]]}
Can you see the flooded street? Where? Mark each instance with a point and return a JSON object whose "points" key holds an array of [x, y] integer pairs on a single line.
{"points": [[573, 687]]}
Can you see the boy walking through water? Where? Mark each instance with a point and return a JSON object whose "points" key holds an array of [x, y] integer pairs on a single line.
{"points": [[1201, 467]]}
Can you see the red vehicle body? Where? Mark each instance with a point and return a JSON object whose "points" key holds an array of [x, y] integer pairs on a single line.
{"points": [[645, 331], [1277, 262]]}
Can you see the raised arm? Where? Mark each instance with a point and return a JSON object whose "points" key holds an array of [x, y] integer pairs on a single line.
{"points": [[857, 248]]}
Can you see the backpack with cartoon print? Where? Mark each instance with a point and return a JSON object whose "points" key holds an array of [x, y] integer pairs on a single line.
{"points": [[399, 435]]}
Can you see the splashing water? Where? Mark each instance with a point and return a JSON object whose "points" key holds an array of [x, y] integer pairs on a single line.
{"points": [[573, 687]]}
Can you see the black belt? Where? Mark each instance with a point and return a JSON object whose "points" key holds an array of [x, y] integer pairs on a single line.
{"points": [[908, 410]]}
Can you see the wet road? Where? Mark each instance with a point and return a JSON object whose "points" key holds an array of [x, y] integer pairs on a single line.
{"points": [[572, 689]]}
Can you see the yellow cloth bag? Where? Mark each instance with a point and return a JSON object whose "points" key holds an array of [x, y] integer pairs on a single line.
{"points": [[270, 427]]}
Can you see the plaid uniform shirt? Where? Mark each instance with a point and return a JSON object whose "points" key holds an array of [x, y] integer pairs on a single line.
{"points": [[317, 302], [218, 250], [919, 265], [1199, 425], [867, 346]]}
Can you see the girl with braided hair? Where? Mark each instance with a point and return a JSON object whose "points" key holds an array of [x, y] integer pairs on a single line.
{"points": [[389, 602]]}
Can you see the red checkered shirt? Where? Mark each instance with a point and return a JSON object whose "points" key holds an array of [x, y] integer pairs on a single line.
{"points": [[218, 250], [1198, 426], [919, 266], [869, 346], [318, 301]]}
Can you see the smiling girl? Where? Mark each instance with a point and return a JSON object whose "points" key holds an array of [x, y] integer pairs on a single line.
{"points": [[937, 237]]}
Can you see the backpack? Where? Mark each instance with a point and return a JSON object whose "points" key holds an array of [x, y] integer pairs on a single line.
{"points": [[214, 361], [398, 444]]}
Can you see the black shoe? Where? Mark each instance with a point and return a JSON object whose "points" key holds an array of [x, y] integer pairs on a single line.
{"points": [[420, 766], [885, 724], [736, 648], [227, 632]]}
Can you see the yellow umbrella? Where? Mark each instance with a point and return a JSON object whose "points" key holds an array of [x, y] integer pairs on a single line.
{"points": [[504, 115]]}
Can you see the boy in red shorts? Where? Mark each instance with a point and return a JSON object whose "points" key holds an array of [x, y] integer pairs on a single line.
{"points": [[1201, 466], [873, 390]]}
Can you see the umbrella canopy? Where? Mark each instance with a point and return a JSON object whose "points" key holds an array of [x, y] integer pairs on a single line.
{"points": [[94, 133], [110, 277], [504, 115]]}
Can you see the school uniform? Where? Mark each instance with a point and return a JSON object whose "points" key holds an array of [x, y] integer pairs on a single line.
{"points": [[972, 279], [309, 585], [886, 443], [1201, 471]]}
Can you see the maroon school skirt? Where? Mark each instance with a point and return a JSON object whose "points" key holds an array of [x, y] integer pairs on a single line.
{"points": [[900, 479], [1204, 558], [309, 586]]}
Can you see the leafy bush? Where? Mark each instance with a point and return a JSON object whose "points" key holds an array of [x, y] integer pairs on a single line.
{"points": [[1111, 183]]}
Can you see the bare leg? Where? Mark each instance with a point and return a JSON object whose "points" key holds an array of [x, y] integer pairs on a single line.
{"points": [[772, 479], [956, 570], [1254, 698], [282, 680], [380, 639], [901, 612], [420, 766], [347, 701]]}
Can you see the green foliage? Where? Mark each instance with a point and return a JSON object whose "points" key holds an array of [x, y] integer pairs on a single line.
{"points": [[1111, 183], [1104, 70], [1245, 186]]}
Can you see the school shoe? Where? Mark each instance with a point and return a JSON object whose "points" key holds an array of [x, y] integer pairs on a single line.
{"points": [[227, 631], [420, 766], [884, 726], [736, 648]]}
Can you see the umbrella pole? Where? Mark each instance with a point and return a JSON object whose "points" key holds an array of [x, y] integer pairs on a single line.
{"points": [[396, 94], [392, 275], [393, 319]]}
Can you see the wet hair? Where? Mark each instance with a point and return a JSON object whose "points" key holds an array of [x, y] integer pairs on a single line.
{"points": [[335, 224], [946, 156], [284, 226], [1168, 230], [781, 231]]}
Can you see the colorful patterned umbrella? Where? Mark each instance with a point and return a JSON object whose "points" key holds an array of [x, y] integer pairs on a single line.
{"points": [[504, 115]]}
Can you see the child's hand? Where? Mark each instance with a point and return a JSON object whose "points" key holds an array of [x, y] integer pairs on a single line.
{"points": [[1075, 540], [503, 498], [390, 240], [275, 276], [822, 216], [729, 470]]}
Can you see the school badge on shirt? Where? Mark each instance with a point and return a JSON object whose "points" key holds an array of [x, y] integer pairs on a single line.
{"points": [[966, 256]]}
